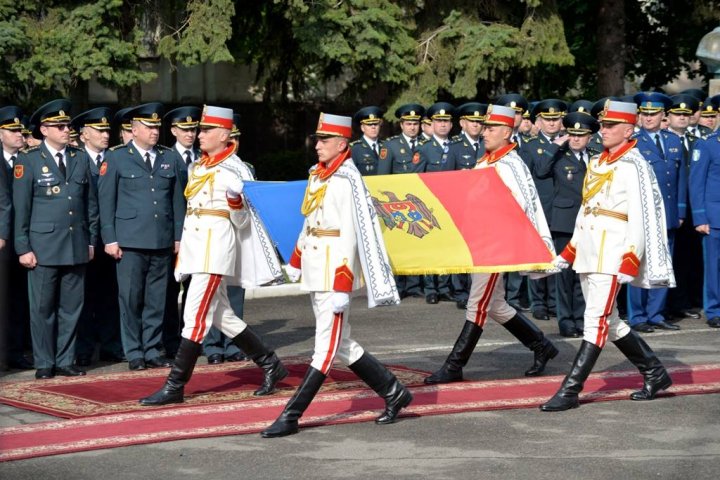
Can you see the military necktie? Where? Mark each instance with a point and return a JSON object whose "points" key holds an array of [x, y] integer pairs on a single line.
{"points": [[148, 163], [658, 144], [61, 163], [374, 148], [412, 144], [476, 145], [188, 157], [98, 160], [12, 160], [446, 146], [581, 156]]}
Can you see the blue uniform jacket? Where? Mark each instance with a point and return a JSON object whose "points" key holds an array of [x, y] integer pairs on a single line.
{"points": [[705, 181], [56, 217], [672, 178], [140, 208]]}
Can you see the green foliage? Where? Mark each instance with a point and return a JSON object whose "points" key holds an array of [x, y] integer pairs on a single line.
{"points": [[64, 43], [203, 35]]}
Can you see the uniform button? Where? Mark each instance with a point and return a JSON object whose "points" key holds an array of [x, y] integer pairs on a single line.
{"points": [[314, 248], [151, 176], [156, 215], [152, 189], [184, 228], [70, 212], [591, 227], [197, 229], [69, 198], [154, 203], [70, 228]]}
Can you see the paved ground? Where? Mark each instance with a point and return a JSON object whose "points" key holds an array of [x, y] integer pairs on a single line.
{"points": [[668, 438]]}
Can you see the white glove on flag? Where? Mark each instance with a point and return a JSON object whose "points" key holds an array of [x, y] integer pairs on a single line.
{"points": [[560, 262], [293, 273]]}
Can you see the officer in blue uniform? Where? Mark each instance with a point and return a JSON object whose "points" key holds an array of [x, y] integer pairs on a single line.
{"points": [[435, 157], [100, 320], [141, 214], [567, 167], [705, 202], [218, 347], [14, 314], [687, 255], [516, 291], [55, 233], [466, 149], [403, 157], [664, 151], [183, 126], [548, 114], [708, 120], [368, 152]]}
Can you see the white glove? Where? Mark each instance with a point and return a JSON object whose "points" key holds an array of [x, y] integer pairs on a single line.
{"points": [[180, 277], [560, 262], [623, 279], [235, 187], [340, 301], [293, 273]]}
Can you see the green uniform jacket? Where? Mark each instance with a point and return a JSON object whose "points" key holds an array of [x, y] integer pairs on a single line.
{"points": [[140, 208], [56, 218]]}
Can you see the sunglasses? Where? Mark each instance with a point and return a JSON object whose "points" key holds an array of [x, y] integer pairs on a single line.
{"points": [[60, 127]]}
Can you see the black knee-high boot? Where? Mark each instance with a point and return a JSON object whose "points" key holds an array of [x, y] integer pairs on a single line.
{"points": [[533, 338], [263, 357], [451, 371], [567, 397], [385, 384], [642, 356], [287, 422], [180, 373]]}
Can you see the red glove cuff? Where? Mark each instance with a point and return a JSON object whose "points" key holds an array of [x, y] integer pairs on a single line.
{"points": [[296, 258], [234, 203], [630, 264], [343, 279], [569, 253]]}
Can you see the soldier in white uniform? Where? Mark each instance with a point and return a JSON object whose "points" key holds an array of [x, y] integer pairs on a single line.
{"points": [[487, 292], [619, 238], [340, 244], [216, 250]]}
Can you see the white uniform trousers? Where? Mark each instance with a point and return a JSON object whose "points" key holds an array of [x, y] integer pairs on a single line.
{"points": [[207, 305], [332, 335], [601, 315], [487, 299]]}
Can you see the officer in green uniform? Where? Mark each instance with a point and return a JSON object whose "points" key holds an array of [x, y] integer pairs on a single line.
{"points": [[141, 216], [586, 106], [14, 315], [100, 320], [123, 123], [435, 157], [368, 152], [55, 233], [403, 157], [548, 114]]}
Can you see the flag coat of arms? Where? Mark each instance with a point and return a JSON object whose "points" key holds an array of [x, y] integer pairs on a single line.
{"points": [[432, 223]]}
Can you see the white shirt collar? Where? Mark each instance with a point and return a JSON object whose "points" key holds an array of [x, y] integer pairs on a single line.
{"points": [[54, 152]]}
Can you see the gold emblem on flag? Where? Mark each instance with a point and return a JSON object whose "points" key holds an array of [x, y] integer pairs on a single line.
{"points": [[411, 215]]}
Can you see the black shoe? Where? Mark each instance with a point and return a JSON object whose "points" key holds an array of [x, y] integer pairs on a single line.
{"points": [[44, 373], [112, 357], [680, 314], [643, 328], [69, 371], [461, 304], [158, 362], [714, 322], [21, 363], [663, 325], [432, 299], [236, 357], [83, 360], [622, 315], [287, 423], [215, 359], [570, 334], [137, 364], [541, 315], [446, 297]]}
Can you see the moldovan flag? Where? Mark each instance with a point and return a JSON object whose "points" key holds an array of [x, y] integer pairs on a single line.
{"points": [[455, 222], [432, 223]]}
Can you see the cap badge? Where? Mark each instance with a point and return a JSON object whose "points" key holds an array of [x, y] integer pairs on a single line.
{"points": [[513, 104], [577, 125], [442, 112], [581, 109], [61, 113], [188, 119], [16, 120], [551, 110], [104, 120], [154, 116], [476, 113], [682, 105], [648, 104], [371, 116], [412, 112]]}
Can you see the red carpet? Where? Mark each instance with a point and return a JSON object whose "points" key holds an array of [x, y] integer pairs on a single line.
{"points": [[333, 406]]}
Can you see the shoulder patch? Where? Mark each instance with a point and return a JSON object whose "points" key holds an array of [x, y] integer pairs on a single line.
{"points": [[118, 147], [354, 142], [18, 171]]}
